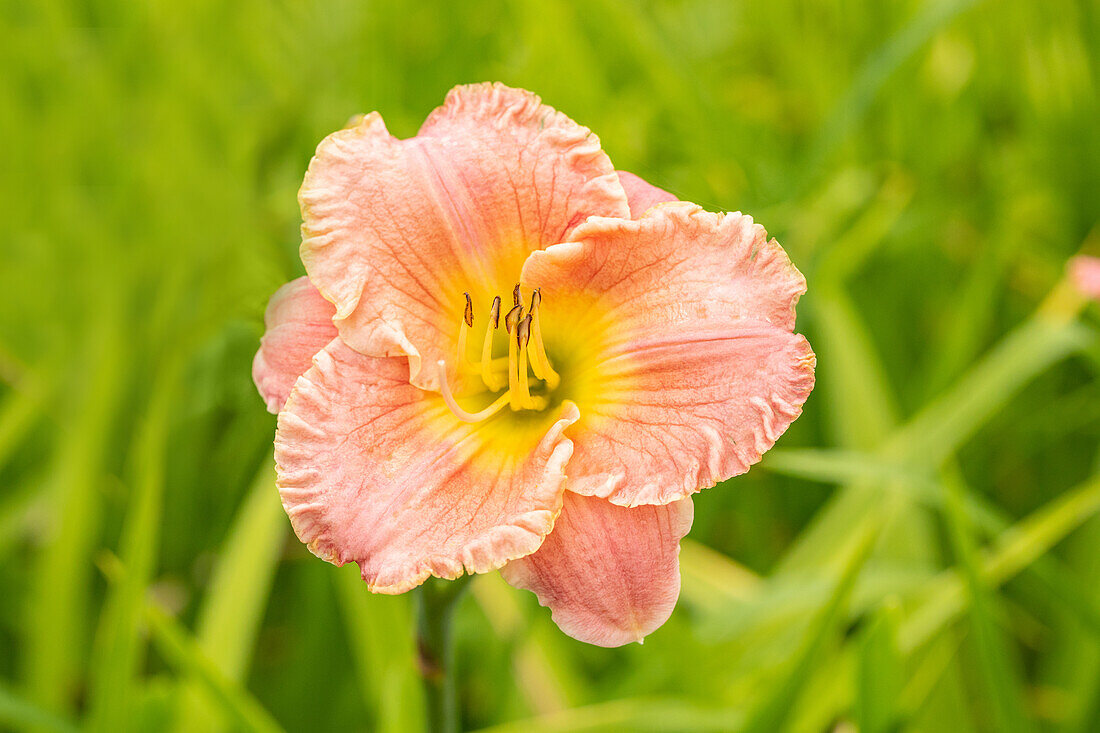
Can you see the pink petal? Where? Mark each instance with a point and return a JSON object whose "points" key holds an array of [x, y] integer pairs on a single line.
{"points": [[684, 409], [376, 471], [1084, 273], [298, 324], [698, 373], [609, 575], [642, 195], [676, 263], [396, 230]]}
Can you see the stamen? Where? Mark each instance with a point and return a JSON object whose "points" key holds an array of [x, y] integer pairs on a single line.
{"points": [[525, 347], [487, 375], [540, 364], [523, 335], [463, 329], [523, 332], [512, 318], [453, 406], [511, 323], [494, 312]]}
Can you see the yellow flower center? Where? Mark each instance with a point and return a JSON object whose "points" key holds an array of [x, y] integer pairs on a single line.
{"points": [[525, 363]]}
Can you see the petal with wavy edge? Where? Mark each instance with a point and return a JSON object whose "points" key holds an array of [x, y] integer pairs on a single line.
{"points": [[677, 263], [394, 231], [678, 410], [642, 195], [691, 370], [610, 575], [298, 323], [374, 470]]}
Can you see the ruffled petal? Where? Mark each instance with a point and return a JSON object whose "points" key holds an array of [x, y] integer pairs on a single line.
{"points": [[678, 410], [394, 231], [609, 575], [298, 323], [676, 333], [374, 470], [677, 263], [642, 195]]}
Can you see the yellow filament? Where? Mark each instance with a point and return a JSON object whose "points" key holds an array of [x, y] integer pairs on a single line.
{"points": [[456, 409], [540, 364], [513, 378], [462, 331], [521, 381], [525, 347], [487, 375]]}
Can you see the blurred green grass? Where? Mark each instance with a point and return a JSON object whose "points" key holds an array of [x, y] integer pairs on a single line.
{"points": [[920, 552]]}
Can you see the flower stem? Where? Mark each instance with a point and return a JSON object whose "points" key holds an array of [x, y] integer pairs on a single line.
{"points": [[436, 602]]}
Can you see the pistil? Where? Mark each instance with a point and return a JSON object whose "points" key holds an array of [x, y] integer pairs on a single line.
{"points": [[456, 409]]}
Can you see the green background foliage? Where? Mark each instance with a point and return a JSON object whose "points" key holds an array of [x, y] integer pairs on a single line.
{"points": [[919, 553]]}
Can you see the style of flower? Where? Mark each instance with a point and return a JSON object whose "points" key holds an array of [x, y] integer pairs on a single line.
{"points": [[508, 355]]}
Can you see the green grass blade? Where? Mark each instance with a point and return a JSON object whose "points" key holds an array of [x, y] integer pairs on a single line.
{"points": [[775, 710], [847, 253], [18, 714], [862, 412], [996, 667], [945, 424], [944, 598], [710, 581], [861, 405], [118, 642], [233, 609], [15, 509], [837, 466], [186, 656], [879, 681], [57, 607], [645, 715], [942, 427], [845, 466], [545, 674], [380, 632], [21, 408], [1017, 547], [849, 110]]}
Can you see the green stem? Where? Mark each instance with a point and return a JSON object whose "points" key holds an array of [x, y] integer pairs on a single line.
{"points": [[436, 602]]}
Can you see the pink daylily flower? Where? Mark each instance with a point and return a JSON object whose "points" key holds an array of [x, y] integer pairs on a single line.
{"points": [[508, 355], [1084, 273]]}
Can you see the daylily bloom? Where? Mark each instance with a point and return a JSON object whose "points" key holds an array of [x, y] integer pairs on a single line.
{"points": [[508, 355], [1084, 273]]}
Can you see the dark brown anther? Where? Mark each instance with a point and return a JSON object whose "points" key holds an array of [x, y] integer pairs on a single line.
{"points": [[515, 295], [536, 300], [469, 315], [513, 318], [494, 312], [523, 333]]}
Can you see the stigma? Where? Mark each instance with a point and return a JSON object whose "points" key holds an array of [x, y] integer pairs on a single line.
{"points": [[511, 377]]}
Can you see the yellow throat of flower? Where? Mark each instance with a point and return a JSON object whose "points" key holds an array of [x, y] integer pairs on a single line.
{"points": [[513, 374]]}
